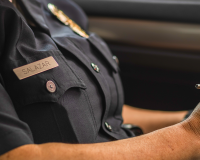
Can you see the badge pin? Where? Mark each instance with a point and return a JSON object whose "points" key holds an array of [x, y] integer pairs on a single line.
{"points": [[67, 21]]}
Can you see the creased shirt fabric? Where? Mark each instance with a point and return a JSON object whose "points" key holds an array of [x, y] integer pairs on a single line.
{"points": [[84, 99]]}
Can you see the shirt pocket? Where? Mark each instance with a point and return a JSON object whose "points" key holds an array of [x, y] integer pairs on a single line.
{"points": [[34, 89]]}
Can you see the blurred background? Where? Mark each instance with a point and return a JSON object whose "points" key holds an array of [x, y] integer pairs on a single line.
{"points": [[157, 43]]}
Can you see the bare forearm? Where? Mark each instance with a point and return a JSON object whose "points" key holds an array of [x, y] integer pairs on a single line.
{"points": [[150, 120], [169, 143]]}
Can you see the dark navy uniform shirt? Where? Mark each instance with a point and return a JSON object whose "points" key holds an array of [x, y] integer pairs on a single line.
{"points": [[85, 106]]}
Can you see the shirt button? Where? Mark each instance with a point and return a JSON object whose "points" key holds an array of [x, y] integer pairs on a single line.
{"points": [[51, 87], [116, 59], [95, 67], [108, 126], [197, 86]]}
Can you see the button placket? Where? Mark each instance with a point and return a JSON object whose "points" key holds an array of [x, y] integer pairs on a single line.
{"points": [[95, 67], [116, 59], [108, 126]]}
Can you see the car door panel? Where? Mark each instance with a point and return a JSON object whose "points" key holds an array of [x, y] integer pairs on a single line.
{"points": [[157, 43]]}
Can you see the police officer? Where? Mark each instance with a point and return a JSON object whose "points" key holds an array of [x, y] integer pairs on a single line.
{"points": [[59, 83]]}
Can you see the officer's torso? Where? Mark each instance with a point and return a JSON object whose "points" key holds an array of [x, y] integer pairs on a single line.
{"points": [[79, 101]]}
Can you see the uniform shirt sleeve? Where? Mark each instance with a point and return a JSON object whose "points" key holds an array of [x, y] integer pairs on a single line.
{"points": [[13, 132], [188, 114]]}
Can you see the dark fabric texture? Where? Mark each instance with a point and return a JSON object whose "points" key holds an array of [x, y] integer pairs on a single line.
{"points": [[13, 132], [83, 101]]}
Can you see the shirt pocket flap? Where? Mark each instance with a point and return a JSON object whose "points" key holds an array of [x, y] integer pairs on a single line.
{"points": [[35, 89]]}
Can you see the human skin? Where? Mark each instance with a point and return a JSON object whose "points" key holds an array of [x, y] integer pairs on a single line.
{"points": [[150, 120], [177, 142]]}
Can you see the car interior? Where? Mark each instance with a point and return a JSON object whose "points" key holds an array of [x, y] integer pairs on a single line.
{"points": [[157, 43]]}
